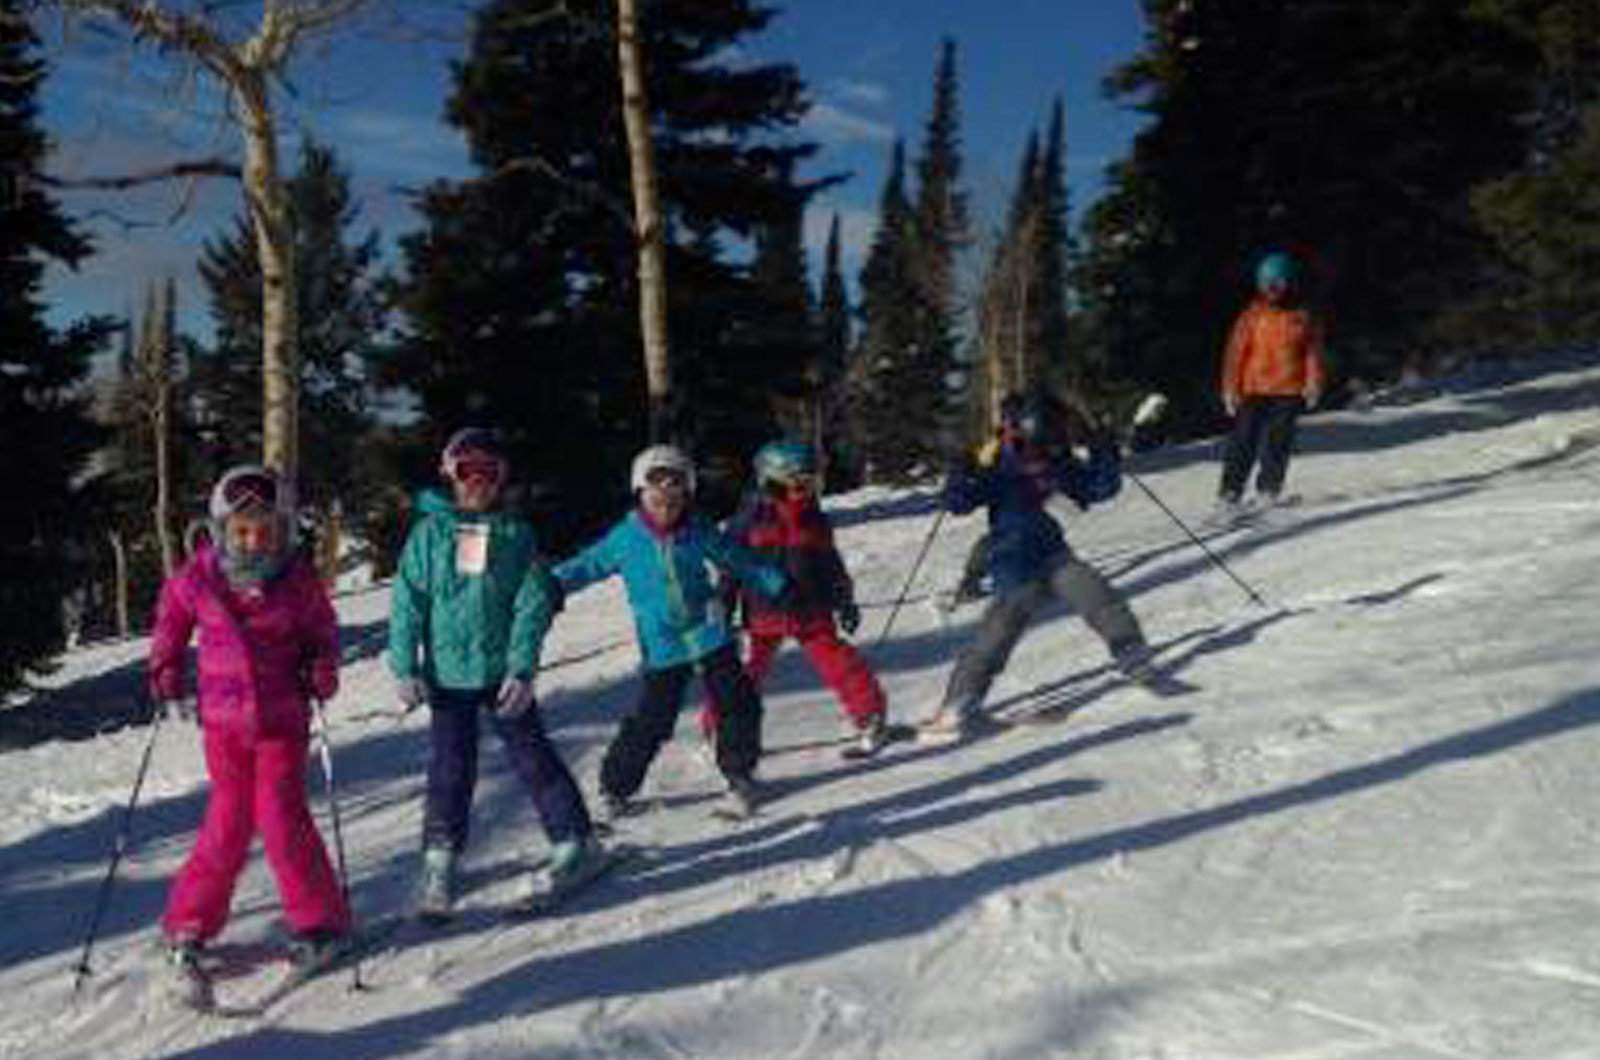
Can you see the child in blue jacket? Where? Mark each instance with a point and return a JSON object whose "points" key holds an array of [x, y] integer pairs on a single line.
{"points": [[1029, 561], [662, 550]]}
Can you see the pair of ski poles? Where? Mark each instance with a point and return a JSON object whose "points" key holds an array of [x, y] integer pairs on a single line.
{"points": [[124, 840], [938, 521]]}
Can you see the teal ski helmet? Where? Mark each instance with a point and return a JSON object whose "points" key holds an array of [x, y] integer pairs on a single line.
{"points": [[1276, 270], [785, 461]]}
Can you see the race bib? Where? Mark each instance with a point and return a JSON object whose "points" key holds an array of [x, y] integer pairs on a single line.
{"points": [[472, 548]]}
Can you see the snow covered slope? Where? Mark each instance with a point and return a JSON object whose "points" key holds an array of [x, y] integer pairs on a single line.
{"points": [[1371, 833]]}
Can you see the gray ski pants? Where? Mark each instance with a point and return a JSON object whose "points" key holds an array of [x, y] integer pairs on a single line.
{"points": [[1071, 580]]}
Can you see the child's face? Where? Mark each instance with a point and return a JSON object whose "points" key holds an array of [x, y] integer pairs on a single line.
{"points": [[477, 480], [665, 496], [800, 487], [252, 533]]}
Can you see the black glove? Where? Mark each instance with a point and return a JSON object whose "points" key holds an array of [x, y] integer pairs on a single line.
{"points": [[849, 617]]}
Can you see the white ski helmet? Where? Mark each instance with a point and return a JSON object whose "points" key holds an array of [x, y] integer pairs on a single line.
{"points": [[483, 440], [251, 486], [661, 458]]}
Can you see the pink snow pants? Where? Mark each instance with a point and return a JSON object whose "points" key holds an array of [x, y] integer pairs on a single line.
{"points": [[255, 784]]}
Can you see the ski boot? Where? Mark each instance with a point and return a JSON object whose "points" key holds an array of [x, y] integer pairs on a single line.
{"points": [[186, 982], [870, 738], [742, 800], [947, 725], [436, 890]]}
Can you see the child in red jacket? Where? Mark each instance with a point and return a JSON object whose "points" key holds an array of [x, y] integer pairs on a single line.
{"points": [[782, 521]]}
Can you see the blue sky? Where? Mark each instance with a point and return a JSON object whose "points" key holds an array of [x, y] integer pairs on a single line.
{"points": [[377, 94]]}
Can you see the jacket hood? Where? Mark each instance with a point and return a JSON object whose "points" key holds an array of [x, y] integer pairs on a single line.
{"points": [[434, 501]]}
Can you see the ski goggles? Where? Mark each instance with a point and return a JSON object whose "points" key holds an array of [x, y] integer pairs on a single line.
{"points": [[252, 490], [667, 479], [479, 470], [798, 482]]}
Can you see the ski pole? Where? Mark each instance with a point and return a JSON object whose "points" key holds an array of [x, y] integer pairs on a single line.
{"points": [[82, 970], [325, 753], [927, 543], [1212, 556]]}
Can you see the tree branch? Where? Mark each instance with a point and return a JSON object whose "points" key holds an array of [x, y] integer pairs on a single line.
{"points": [[205, 167], [170, 29], [537, 165]]}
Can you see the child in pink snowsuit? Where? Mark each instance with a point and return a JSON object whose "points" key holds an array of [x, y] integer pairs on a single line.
{"points": [[268, 640]]}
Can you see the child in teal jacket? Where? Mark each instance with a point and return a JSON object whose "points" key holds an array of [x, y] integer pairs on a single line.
{"points": [[663, 551], [471, 603]]}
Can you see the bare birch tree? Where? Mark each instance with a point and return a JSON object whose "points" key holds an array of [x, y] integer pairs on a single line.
{"points": [[154, 352], [245, 70], [648, 230]]}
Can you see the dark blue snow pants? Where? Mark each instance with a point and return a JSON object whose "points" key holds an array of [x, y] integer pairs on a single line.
{"points": [[1264, 429], [453, 769], [650, 724]]}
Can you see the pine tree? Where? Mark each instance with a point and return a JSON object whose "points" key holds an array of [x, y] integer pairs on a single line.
{"points": [[943, 230], [834, 339], [1053, 249], [342, 316], [1545, 218], [521, 291], [1007, 357], [784, 331], [1350, 132], [1022, 340], [890, 408], [45, 430]]}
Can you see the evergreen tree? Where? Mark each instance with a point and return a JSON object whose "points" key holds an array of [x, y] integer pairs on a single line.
{"points": [[520, 302], [1053, 250], [1350, 132], [1022, 339], [1545, 218], [784, 331], [943, 230], [834, 337], [45, 430], [1007, 356], [891, 409], [342, 316]]}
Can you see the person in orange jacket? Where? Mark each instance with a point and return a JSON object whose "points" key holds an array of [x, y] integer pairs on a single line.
{"points": [[1273, 368]]}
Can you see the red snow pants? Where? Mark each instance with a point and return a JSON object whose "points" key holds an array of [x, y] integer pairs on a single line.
{"points": [[836, 661], [256, 784]]}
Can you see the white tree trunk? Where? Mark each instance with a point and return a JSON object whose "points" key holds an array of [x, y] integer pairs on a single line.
{"points": [[280, 309], [158, 368], [651, 239], [119, 576]]}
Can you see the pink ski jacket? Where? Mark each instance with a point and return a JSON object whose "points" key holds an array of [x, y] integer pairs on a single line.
{"points": [[261, 654]]}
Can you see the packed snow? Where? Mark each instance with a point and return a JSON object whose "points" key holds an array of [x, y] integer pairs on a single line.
{"points": [[1369, 833]]}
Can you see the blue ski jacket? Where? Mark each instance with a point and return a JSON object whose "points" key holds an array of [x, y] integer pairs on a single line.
{"points": [[1024, 539], [677, 613]]}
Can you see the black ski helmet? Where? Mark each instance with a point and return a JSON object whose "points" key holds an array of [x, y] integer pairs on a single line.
{"points": [[1028, 415]]}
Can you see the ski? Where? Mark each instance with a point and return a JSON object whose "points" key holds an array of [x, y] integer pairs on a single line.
{"points": [[366, 940]]}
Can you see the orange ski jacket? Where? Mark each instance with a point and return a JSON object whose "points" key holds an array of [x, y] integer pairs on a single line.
{"points": [[1273, 351]]}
